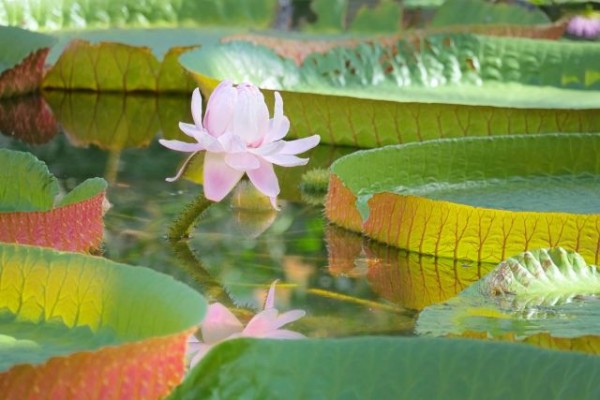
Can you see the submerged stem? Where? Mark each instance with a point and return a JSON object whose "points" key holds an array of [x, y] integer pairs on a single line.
{"points": [[211, 288], [181, 226]]}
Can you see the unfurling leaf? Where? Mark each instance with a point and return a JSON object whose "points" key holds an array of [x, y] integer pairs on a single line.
{"points": [[541, 291]]}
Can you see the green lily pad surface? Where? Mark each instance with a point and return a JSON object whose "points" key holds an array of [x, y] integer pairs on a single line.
{"points": [[389, 368], [542, 291], [446, 85], [478, 199], [70, 318], [40, 194]]}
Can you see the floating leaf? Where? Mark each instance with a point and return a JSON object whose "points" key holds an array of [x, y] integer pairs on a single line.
{"points": [[411, 368], [28, 118], [78, 14], [22, 65], [116, 121], [449, 198], [68, 319], [301, 46], [32, 214], [540, 291], [451, 86], [117, 67]]}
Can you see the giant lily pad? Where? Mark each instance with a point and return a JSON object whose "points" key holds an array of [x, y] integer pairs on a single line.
{"points": [[299, 47], [33, 213], [77, 326], [477, 199], [389, 368], [541, 291], [22, 65], [117, 67], [444, 86]]}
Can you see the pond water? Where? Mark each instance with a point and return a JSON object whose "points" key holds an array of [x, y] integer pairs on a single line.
{"points": [[347, 285]]}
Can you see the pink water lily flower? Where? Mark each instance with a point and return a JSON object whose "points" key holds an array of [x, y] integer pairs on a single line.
{"points": [[220, 324], [586, 26], [239, 138]]}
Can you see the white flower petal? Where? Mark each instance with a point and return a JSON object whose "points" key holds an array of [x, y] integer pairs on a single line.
{"points": [[231, 143], [278, 131], [268, 148], [219, 323], [242, 161], [220, 108], [280, 124], [274, 203], [201, 136], [264, 179], [300, 145], [270, 300], [261, 323], [283, 334], [197, 108], [251, 115], [219, 178], [288, 317], [178, 145], [286, 160], [182, 169], [188, 129]]}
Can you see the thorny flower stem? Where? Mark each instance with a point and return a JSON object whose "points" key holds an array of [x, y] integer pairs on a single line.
{"points": [[181, 226]]}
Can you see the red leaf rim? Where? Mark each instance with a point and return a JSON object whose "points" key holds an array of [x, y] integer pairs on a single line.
{"points": [[148, 369], [26, 76], [76, 227]]}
